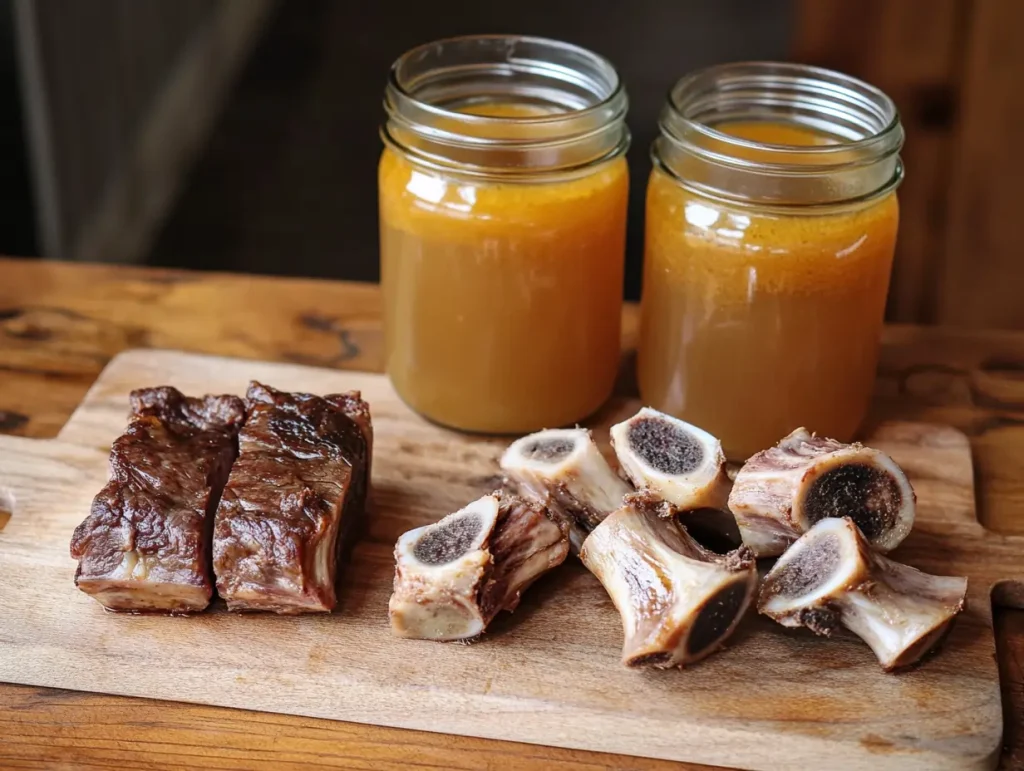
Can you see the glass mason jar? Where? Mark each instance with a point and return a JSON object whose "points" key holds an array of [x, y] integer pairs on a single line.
{"points": [[502, 191], [770, 230]]}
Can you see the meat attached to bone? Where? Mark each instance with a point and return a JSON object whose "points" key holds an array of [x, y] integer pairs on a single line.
{"points": [[678, 602], [454, 576], [564, 470], [294, 501], [145, 546], [782, 492], [680, 463], [831, 577]]}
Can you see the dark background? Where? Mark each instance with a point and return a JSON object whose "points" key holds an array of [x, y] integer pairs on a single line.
{"points": [[288, 181], [17, 218], [113, 148]]}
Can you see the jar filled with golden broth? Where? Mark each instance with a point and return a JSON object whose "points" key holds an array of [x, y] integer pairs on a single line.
{"points": [[770, 229], [503, 188]]}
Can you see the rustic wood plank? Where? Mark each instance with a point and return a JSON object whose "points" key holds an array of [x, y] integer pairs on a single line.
{"points": [[926, 374], [911, 50], [980, 268]]}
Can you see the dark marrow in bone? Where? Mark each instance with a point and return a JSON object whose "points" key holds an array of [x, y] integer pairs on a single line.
{"points": [[665, 446], [782, 492], [454, 576], [809, 569], [447, 541], [716, 617], [870, 497], [549, 450], [832, 577]]}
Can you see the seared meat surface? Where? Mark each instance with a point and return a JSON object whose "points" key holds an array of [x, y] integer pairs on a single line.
{"points": [[145, 545], [293, 502]]}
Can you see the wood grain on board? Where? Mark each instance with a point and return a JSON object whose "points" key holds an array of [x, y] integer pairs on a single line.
{"points": [[550, 673], [61, 323]]}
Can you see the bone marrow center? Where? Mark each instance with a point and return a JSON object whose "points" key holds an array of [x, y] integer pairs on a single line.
{"points": [[549, 450], [716, 617], [664, 446], [447, 541], [867, 495], [810, 568]]}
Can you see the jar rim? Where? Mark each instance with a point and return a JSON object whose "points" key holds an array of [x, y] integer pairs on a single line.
{"points": [[861, 164], [788, 70], [395, 81], [580, 99]]}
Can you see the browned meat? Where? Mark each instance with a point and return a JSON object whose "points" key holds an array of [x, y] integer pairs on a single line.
{"points": [[145, 546], [293, 502]]}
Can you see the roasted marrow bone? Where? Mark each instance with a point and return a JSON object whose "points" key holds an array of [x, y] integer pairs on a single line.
{"points": [[145, 546], [454, 576], [678, 601], [831, 577], [294, 501], [781, 493], [678, 462], [564, 470]]}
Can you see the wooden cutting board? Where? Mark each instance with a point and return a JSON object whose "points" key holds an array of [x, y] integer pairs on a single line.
{"points": [[547, 674]]}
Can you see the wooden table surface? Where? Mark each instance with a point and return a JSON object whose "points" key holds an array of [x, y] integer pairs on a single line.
{"points": [[61, 323]]}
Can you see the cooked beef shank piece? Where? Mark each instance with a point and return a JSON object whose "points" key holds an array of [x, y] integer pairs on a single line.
{"points": [[680, 463], [564, 470], [294, 501], [454, 576], [678, 601], [145, 545], [781, 493], [831, 577]]}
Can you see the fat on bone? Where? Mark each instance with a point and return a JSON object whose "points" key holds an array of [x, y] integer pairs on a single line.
{"points": [[680, 463], [780, 493], [678, 602], [454, 576], [564, 470], [831, 577]]}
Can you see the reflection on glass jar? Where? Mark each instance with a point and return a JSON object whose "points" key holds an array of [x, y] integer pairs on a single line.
{"points": [[503, 191], [771, 224]]}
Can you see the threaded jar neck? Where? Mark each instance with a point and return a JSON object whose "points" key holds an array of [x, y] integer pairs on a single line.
{"points": [[862, 163], [441, 102]]}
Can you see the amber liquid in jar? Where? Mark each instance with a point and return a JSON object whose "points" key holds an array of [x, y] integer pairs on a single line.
{"points": [[756, 322], [502, 299]]}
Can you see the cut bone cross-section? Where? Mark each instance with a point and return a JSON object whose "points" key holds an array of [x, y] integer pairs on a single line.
{"points": [[680, 463], [830, 577], [564, 470], [678, 601], [453, 577], [780, 493]]}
